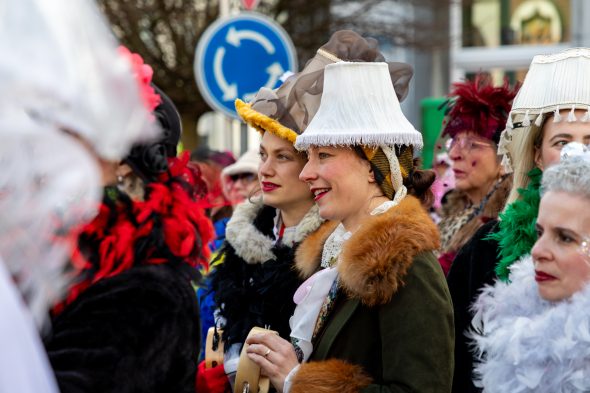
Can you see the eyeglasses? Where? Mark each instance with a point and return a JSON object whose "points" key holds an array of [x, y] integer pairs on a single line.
{"points": [[468, 144], [246, 177]]}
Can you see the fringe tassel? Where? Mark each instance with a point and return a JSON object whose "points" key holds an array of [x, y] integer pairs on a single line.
{"points": [[556, 115], [539, 120], [507, 164], [526, 122], [509, 123], [571, 117], [504, 140], [304, 141], [586, 116]]}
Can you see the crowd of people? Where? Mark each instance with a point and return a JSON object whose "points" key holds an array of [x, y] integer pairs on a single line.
{"points": [[325, 259]]}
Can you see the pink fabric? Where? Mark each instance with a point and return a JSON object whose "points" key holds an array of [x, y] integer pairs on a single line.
{"points": [[446, 260]]}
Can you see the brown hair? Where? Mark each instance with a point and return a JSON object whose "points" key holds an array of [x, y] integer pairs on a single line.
{"points": [[417, 182]]}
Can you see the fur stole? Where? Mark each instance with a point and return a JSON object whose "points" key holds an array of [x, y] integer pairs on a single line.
{"points": [[254, 246], [456, 202], [528, 344], [375, 259]]}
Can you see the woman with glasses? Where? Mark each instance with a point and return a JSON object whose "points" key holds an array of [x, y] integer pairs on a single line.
{"points": [[532, 332], [477, 113], [543, 119]]}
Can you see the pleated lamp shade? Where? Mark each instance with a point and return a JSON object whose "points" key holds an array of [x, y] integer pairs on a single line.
{"points": [[358, 107], [553, 83]]}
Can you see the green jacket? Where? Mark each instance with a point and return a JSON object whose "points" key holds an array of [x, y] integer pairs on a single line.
{"points": [[391, 328]]}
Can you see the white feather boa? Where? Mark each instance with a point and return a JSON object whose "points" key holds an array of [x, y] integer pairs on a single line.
{"points": [[527, 344]]}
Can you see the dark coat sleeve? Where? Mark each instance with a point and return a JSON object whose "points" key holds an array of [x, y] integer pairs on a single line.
{"points": [[472, 269], [135, 332]]}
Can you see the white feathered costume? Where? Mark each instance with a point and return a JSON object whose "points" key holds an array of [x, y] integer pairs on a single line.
{"points": [[528, 344]]}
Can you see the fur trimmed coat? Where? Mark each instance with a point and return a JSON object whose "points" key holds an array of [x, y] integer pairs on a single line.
{"points": [[255, 283], [137, 331], [527, 344], [391, 328]]}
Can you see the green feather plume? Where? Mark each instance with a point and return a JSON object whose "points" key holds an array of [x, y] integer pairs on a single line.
{"points": [[517, 233]]}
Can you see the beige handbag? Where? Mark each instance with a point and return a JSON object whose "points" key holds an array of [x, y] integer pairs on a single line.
{"points": [[248, 378]]}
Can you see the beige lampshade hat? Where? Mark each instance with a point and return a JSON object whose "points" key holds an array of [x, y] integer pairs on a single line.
{"points": [[359, 107], [553, 83]]}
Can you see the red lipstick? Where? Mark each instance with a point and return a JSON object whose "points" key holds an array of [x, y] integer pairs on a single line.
{"points": [[268, 186], [318, 193], [542, 276]]}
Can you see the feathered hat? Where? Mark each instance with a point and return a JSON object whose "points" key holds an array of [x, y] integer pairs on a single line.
{"points": [[359, 107], [553, 83], [479, 107], [287, 111]]}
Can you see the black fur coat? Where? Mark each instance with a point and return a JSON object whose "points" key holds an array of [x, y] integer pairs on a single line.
{"points": [[134, 332]]}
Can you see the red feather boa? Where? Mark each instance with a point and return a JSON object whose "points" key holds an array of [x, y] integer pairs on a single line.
{"points": [[122, 236]]}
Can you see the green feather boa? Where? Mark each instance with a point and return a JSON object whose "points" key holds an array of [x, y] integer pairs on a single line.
{"points": [[517, 233]]}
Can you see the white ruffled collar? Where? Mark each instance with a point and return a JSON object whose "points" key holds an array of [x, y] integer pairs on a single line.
{"points": [[529, 344]]}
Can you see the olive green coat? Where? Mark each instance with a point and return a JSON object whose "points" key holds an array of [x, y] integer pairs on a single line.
{"points": [[391, 328]]}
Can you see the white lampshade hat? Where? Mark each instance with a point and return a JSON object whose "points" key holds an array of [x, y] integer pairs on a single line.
{"points": [[358, 107], [553, 83]]}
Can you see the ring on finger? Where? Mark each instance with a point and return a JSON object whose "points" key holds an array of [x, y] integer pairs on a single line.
{"points": [[267, 352]]}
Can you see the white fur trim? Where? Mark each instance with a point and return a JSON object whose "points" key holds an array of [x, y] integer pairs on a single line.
{"points": [[528, 344], [253, 246]]}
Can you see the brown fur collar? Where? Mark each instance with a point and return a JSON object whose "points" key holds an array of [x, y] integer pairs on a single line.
{"points": [[457, 202], [374, 261], [328, 377]]}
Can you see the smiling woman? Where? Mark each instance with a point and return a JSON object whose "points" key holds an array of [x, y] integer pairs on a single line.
{"points": [[254, 285], [533, 331], [374, 314]]}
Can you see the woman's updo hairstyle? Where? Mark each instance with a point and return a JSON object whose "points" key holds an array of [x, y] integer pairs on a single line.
{"points": [[416, 181]]}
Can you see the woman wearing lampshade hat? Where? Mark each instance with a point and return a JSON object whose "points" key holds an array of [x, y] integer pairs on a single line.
{"points": [[375, 313], [544, 117], [264, 233]]}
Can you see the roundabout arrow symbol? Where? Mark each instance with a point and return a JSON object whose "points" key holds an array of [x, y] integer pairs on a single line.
{"points": [[275, 70], [230, 92], [234, 37]]}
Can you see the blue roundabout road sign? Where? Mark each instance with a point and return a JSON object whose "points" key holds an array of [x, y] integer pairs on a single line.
{"points": [[238, 55]]}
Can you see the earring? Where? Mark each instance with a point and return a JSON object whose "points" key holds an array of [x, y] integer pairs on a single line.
{"points": [[120, 180]]}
